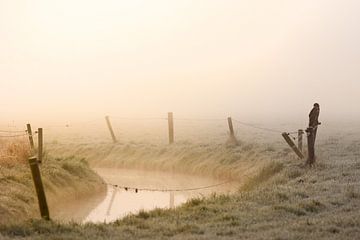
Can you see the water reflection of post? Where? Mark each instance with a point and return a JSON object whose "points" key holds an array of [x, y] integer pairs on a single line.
{"points": [[111, 201], [172, 200]]}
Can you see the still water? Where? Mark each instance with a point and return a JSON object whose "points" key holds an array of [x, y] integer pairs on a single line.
{"points": [[118, 202]]}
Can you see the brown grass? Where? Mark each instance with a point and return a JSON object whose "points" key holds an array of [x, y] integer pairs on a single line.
{"points": [[13, 152]]}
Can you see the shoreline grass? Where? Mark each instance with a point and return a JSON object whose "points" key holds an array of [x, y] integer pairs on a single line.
{"points": [[63, 178]]}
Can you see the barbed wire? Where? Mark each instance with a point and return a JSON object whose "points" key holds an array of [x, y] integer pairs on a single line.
{"points": [[69, 125], [14, 136], [200, 119], [257, 127], [126, 188], [145, 118], [12, 131]]}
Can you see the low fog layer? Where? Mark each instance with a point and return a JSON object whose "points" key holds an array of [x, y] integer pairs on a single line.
{"points": [[263, 60]]}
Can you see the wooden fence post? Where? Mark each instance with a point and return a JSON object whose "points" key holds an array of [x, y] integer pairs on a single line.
{"points": [[110, 129], [311, 145], [292, 145], [40, 145], [31, 139], [232, 133], [35, 172], [231, 128], [171, 127], [300, 139]]}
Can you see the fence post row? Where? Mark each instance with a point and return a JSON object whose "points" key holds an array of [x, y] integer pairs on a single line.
{"points": [[35, 172], [171, 127], [31, 139], [108, 123]]}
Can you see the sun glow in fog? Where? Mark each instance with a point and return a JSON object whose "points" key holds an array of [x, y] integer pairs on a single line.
{"points": [[90, 58]]}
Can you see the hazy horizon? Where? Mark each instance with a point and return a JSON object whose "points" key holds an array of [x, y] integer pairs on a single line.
{"points": [[263, 60]]}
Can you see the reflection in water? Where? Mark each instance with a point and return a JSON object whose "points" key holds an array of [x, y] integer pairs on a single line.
{"points": [[172, 200], [111, 201], [121, 202]]}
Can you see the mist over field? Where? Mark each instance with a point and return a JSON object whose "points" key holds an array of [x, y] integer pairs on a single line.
{"points": [[256, 60]]}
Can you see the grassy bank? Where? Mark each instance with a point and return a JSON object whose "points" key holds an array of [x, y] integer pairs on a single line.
{"points": [[64, 179], [217, 160], [282, 199]]}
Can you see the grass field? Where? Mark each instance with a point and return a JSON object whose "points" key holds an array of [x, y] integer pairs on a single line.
{"points": [[280, 199], [64, 178]]}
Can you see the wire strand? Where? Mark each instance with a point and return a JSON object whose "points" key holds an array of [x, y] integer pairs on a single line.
{"points": [[257, 127], [168, 190], [13, 136], [9, 131]]}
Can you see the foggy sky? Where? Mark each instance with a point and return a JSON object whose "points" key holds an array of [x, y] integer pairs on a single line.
{"points": [[255, 59]]}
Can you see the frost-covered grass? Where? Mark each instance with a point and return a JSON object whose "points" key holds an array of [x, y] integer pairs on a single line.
{"points": [[63, 178], [281, 198]]}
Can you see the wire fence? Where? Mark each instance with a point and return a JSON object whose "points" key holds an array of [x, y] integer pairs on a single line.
{"points": [[97, 122]]}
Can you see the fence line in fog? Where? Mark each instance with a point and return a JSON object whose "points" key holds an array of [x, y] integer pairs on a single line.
{"points": [[35, 161], [288, 136]]}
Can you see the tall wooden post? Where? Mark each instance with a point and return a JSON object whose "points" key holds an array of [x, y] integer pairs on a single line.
{"points": [[300, 139], [311, 145], [31, 139], [231, 128], [171, 127], [35, 172], [40, 145], [110, 129], [292, 145]]}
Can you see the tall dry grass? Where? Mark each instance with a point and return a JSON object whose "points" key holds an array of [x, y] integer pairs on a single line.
{"points": [[13, 152], [64, 178]]}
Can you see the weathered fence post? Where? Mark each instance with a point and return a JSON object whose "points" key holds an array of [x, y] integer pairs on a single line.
{"points": [[110, 129], [231, 128], [311, 145], [232, 138], [171, 127], [40, 145], [300, 139], [31, 139], [35, 172], [292, 145]]}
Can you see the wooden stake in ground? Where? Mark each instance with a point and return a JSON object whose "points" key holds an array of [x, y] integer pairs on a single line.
{"points": [[171, 127], [40, 145], [311, 135], [35, 172], [292, 145], [31, 140], [231, 129], [300, 139], [110, 129]]}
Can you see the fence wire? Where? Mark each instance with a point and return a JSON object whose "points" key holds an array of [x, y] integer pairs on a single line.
{"points": [[136, 189]]}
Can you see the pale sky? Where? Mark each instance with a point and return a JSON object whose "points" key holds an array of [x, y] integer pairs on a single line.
{"points": [[248, 58]]}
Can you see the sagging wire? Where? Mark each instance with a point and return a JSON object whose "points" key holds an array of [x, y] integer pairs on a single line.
{"points": [[126, 188]]}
